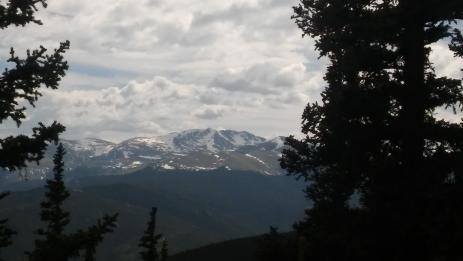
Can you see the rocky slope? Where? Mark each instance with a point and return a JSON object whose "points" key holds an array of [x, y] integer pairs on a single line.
{"points": [[198, 149]]}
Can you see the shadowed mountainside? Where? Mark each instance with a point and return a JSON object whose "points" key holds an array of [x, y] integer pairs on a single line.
{"points": [[195, 209]]}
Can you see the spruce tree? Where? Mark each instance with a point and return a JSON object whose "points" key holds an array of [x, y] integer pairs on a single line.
{"points": [[54, 243], [54, 239], [22, 83], [94, 235], [164, 250], [375, 135], [5, 232], [149, 241]]}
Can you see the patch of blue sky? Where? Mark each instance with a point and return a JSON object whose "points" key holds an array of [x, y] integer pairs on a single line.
{"points": [[4, 64], [99, 71]]}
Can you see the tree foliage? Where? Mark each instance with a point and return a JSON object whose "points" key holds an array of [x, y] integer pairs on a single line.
{"points": [[54, 243], [21, 84], [5, 232], [150, 240], [376, 138], [19, 12]]}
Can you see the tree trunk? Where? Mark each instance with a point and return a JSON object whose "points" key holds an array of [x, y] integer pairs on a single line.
{"points": [[413, 111], [410, 191]]}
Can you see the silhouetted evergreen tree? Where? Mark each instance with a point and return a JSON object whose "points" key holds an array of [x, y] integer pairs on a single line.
{"points": [[149, 241], [54, 244], [5, 232], [164, 250], [23, 82], [94, 235], [375, 135], [19, 12]]}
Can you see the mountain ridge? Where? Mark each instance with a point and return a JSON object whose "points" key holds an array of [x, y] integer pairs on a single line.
{"points": [[194, 210], [195, 150], [187, 140]]}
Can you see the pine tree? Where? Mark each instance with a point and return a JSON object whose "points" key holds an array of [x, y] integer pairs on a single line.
{"points": [[19, 12], [375, 134], [5, 232], [149, 241], [94, 235], [54, 244], [23, 82], [55, 216], [164, 250]]}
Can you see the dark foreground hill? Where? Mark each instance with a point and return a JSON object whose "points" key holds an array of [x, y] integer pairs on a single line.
{"points": [[195, 208], [242, 249]]}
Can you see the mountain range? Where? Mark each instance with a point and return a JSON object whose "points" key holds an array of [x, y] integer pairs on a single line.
{"points": [[209, 186], [195, 150]]}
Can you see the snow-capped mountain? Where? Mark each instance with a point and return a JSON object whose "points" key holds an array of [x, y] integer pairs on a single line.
{"points": [[211, 140], [197, 149], [90, 146], [195, 140]]}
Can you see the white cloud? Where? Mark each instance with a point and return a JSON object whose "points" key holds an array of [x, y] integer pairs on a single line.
{"points": [[445, 61], [264, 78], [153, 66], [161, 105], [208, 112], [199, 53]]}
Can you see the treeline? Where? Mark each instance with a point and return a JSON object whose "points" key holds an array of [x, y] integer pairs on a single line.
{"points": [[54, 243], [22, 83], [384, 164], [385, 170]]}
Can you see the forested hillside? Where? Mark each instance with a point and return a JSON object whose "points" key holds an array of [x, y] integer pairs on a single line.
{"points": [[194, 208]]}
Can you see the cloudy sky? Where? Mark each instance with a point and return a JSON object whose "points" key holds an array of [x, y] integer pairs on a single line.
{"points": [[149, 67]]}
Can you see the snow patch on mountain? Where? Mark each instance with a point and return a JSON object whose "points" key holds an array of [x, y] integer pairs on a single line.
{"points": [[126, 154], [279, 142], [167, 166], [197, 149], [150, 157], [95, 147], [256, 158]]}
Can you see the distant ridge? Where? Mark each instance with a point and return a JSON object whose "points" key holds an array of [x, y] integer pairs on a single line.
{"points": [[195, 149], [242, 249], [194, 210]]}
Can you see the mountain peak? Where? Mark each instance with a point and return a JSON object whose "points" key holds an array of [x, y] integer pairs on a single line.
{"points": [[213, 140], [195, 149], [93, 146]]}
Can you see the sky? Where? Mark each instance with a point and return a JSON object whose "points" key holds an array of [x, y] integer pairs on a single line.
{"points": [[150, 67]]}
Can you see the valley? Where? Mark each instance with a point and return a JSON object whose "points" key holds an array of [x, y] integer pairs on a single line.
{"points": [[195, 208]]}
